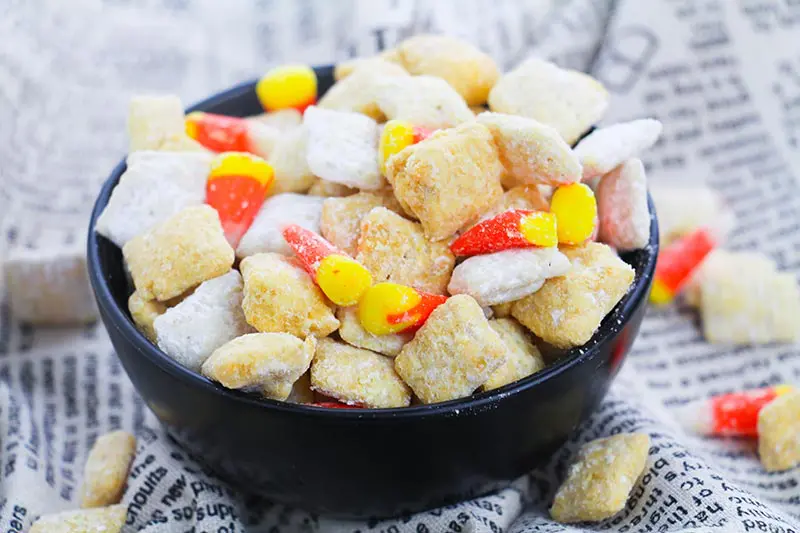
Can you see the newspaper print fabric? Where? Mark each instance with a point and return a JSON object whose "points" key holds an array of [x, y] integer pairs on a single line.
{"points": [[723, 76]]}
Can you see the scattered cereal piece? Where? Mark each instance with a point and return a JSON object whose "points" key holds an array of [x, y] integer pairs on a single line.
{"points": [[352, 332], [575, 208], [155, 122], [568, 100], [357, 92], [50, 286], [269, 362], [265, 235], [682, 210], [392, 308], [678, 262], [329, 189], [203, 321], [605, 148], [601, 478], [106, 470], [345, 68], [282, 120], [178, 253], [341, 217], [102, 519], [522, 356], [449, 179], [301, 390], [532, 152], [395, 249], [279, 296], [568, 309], [622, 207], [452, 354], [423, 101], [343, 147], [503, 277], [357, 376], [287, 86], [779, 433], [719, 260], [288, 160], [515, 228], [155, 186], [144, 312]]}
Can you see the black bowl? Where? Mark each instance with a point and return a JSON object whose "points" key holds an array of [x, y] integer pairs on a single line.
{"points": [[365, 462]]}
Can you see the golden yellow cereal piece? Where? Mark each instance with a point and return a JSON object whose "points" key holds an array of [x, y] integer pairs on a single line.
{"points": [[452, 354], [568, 100], [155, 121], [395, 249], [779, 433], [449, 179], [282, 120], [280, 297], [532, 152], [356, 376], [353, 333], [345, 68], [358, 91], [568, 309], [341, 217], [502, 310], [329, 189], [301, 390], [601, 478], [469, 71], [179, 253], [288, 160], [106, 471], [144, 312], [522, 356], [100, 520], [518, 197], [424, 101], [272, 362]]}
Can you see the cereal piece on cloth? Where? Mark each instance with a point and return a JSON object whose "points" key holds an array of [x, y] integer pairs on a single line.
{"points": [[156, 122], [329, 189], [779, 433], [452, 354], [469, 71], [396, 249], [575, 209], [50, 286], [568, 309], [352, 332], [288, 160], [357, 93], [144, 312], [343, 148], [106, 471], [340, 222], [301, 390], [178, 253], [601, 478], [278, 211], [531, 152], [423, 101], [267, 362], [623, 212], [522, 356], [683, 209], [283, 120], [357, 377], [568, 100], [388, 307], [203, 321], [155, 186], [449, 179], [526, 197], [503, 277], [280, 297], [347, 67], [287, 87], [515, 228], [98, 520], [720, 261], [605, 148]]}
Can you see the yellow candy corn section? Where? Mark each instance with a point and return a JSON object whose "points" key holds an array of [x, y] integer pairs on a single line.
{"points": [[242, 164], [191, 123], [540, 229], [659, 293], [575, 209], [343, 279], [382, 300], [783, 389], [287, 86], [396, 135]]}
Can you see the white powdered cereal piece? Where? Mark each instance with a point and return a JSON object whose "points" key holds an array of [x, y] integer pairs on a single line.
{"points": [[106, 472], [508, 275], [682, 209], [779, 433], [100, 520], [357, 92], [532, 152], [50, 286], [264, 234], [606, 148], [288, 160], [263, 138], [343, 148], [156, 122], [204, 321], [622, 207], [568, 100], [282, 119], [424, 101], [719, 263], [155, 186]]}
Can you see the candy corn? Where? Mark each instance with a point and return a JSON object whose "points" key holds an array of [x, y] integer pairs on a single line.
{"points": [[219, 133], [734, 414], [341, 278], [236, 188], [677, 262], [396, 135], [575, 209], [335, 405], [287, 86], [391, 308], [515, 228], [421, 133]]}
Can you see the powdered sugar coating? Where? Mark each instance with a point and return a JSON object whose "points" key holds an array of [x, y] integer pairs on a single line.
{"points": [[606, 148], [340, 222], [425, 101], [101, 520], [622, 207], [353, 333], [288, 160], [779, 433], [522, 356], [264, 234], [357, 92], [106, 471]]}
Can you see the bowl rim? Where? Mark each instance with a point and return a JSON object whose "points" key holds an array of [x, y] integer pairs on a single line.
{"points": [[611, 325]]}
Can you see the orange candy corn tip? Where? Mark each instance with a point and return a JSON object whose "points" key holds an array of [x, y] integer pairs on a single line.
{"points": [[287, 86], [515, 228], [340, 277], [219, 133], [575, 209], [391, 308]]}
